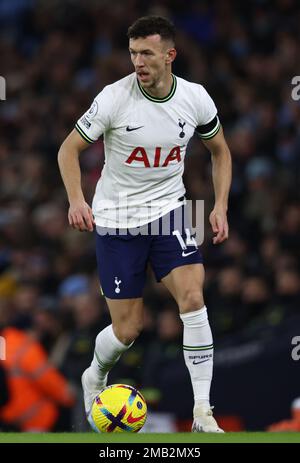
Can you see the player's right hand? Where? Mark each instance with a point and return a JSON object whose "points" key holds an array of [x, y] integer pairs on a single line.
{"points": [[80, 216]]}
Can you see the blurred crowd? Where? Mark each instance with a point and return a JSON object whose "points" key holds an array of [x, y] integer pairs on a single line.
{"points": [[56, 56]]}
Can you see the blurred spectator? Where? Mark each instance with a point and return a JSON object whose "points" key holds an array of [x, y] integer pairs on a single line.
{"points": [[89, 318], [52, 328], [288, 290], [36, 389], [223, 298], [255, 296], [24, 304], [293, 424]]}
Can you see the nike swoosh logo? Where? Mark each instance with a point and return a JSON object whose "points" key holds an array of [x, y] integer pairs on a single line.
{"points": [[130, 418], [185, 254], [201, 361], [130, 129]]}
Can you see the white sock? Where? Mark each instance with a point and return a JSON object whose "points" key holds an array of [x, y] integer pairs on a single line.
{"points": [[108, 350], [198, 352]]}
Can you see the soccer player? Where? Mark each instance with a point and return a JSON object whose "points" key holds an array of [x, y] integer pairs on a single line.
{"points": [[147, 119]]}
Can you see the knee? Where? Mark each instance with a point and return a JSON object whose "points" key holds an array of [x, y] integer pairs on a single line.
{"points": [[191, 299], [127, 331]]}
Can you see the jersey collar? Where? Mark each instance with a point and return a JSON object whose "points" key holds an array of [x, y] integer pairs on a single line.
{"points": [[156, 99]]}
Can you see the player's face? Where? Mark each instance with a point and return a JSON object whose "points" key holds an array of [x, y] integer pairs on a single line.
{"points": [[151, 57]]}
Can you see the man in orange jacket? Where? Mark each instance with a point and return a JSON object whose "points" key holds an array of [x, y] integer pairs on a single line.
{"points": [[36, 388], [292, 424]]}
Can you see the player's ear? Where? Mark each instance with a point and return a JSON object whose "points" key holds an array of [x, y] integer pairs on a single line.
{"points": [[171, 55]]}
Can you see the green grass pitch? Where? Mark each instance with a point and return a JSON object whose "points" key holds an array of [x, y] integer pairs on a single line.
{"points": [[234, 437]]}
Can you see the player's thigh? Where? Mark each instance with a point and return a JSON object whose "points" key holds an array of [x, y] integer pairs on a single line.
{"points": [[127, 317], [185, 283], [121, 262]]}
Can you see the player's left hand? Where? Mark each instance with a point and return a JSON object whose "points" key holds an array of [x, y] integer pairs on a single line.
{"points": [[219, 223]]}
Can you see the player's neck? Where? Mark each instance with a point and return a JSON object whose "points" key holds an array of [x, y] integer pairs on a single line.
{"points": [[163, 88]]}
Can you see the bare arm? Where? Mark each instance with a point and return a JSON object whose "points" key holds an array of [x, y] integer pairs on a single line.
{"points": [[80, 214], [221, 172]]}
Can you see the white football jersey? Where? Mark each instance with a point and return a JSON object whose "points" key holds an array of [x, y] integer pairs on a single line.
{"points": [[145, 140]]}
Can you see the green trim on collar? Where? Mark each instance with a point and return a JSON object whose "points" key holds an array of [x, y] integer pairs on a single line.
{"points": [[156, 99]]}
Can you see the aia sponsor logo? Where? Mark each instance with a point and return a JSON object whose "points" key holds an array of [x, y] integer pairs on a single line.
{"points": [[139, 155]]}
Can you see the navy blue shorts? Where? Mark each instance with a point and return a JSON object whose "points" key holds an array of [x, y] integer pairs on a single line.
{"points": [[123, 257]]}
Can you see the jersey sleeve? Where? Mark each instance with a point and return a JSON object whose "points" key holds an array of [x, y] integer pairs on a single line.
{"points": [[208, 121], [97, 119]]}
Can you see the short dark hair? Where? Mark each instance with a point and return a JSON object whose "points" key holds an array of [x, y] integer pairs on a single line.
{"points": [[150, 25]]}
